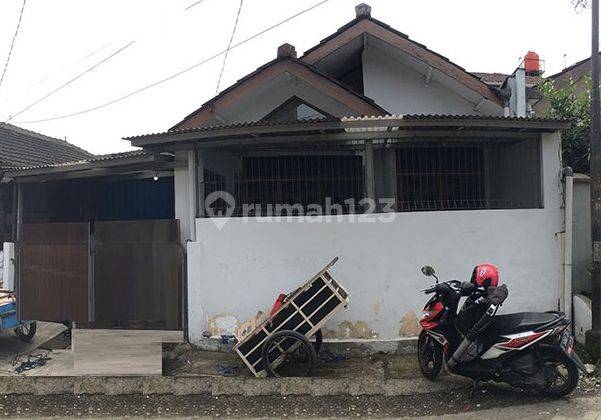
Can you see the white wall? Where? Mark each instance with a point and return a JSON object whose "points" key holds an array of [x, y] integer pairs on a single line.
{"points": [[242, 267], [402, 90]]}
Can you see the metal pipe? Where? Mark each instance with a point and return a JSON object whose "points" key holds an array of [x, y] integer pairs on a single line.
{"points": [[595, 162], [567, 243]]}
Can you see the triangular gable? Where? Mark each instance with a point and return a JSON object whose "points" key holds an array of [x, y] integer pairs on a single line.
{"points": [[211, 111], [368, 25], [296, 109]]}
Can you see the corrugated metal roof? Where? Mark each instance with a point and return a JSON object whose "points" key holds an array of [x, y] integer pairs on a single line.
{"points": [[20, 147], [96, 158], [407, 117]]}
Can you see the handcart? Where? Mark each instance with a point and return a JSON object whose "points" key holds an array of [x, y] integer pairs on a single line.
{"points": [[281, 345], [24, 330]]}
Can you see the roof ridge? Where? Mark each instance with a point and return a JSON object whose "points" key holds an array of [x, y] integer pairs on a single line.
{"points": [[275, 61], [397, 33]]}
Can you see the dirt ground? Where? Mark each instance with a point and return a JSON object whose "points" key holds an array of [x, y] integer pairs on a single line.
{"points": [[183, 360]]}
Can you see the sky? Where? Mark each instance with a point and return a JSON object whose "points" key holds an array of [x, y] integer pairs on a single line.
{"points": [[149, 40]]}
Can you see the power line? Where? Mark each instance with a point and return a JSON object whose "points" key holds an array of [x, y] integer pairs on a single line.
{"points": [[104, 60], [173, 76], [12, 43], [229, 45], [79, 60], [193, 4]]}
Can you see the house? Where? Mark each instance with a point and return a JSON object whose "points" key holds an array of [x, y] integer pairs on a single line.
{"points": [[373, 148]]}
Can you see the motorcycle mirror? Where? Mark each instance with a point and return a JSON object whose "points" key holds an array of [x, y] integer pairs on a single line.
{"points": [[428, 271]]}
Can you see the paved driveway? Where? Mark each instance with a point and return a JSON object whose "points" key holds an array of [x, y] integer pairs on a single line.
{"points": [[10, 346]]}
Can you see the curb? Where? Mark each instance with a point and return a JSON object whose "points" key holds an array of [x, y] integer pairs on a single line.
{"points": [[218, 386]]}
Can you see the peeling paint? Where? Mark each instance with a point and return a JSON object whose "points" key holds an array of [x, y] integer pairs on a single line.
{"points": [[359, 329], [223, 324], [409, 325]]}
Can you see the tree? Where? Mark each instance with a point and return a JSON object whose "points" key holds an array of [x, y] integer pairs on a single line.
{"points": [[572, 102]]}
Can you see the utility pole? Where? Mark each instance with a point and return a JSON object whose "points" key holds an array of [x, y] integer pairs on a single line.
{"points": [[593, 337]]}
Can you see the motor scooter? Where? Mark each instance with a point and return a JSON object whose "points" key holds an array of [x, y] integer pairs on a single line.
{"points": [[527, 349]]}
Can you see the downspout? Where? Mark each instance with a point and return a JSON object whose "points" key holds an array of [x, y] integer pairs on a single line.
{"points": [[504, 93], [567, 243]]}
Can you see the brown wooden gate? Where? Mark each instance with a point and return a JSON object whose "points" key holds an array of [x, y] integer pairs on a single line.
{"points": [[125, 273], [53, 261], [137, 273]]}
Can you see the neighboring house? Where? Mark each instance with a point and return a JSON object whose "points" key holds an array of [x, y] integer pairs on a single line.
{"points": [[576, 73], [20, 147], [366, 113]]}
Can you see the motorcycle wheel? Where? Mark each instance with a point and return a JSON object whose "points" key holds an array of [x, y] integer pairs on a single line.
{"points": [[560, 373], [429, 356]]}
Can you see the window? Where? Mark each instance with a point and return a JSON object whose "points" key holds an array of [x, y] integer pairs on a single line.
{"points": [[417, 176], [483, 176]]}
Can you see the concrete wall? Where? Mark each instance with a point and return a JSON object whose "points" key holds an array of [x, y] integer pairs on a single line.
{"points": [[239, 269], [581, 251]]}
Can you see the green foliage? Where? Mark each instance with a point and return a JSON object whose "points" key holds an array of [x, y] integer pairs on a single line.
{"points": [[572, 102]]}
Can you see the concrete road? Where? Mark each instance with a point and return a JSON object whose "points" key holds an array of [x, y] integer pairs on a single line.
{"points": [[497, 403], [10, 346]]}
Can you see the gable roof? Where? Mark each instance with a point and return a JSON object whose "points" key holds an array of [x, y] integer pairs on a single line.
{"points": [[576, 71], [365, 24], [20, 147], [326, 84]]}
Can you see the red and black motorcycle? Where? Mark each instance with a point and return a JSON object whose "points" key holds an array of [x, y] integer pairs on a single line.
{"points": [[528, 349]]}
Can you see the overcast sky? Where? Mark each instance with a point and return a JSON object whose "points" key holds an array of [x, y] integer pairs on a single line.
{"points": [[59, 39]]}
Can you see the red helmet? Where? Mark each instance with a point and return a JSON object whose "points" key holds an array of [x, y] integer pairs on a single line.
{"points": [[485, 275]]}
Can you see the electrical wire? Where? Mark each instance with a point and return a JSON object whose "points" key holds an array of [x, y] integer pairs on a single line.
{"points": [[174, 75], [229, 45], [12, 43], [193, 4], [79, 60], [67, 83]]}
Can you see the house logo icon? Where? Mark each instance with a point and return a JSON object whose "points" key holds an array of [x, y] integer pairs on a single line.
{"points": [[219, 206]]}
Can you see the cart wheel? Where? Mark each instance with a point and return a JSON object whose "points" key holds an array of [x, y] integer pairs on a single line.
{"points": [[317, 341], [25, 332], [288, 353]]}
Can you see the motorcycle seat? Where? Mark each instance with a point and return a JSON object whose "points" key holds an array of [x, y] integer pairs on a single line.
{"points": [[522, 321]]}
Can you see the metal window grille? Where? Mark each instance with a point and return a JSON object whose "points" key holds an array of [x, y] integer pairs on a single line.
{"points": [[468, 177], [417, 176], [290, 185]]}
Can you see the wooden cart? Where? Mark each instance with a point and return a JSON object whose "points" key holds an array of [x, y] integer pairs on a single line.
{"points": [[281, 346]]}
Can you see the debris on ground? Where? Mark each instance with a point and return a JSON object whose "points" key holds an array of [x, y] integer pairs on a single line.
{"points": [[34, 360]]}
